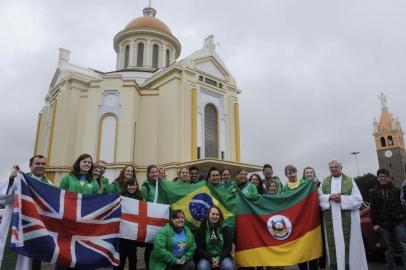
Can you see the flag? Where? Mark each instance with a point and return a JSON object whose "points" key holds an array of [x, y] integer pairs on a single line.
{"points": [[194, 199], [279, 230], [142, 220], [66, 228]]}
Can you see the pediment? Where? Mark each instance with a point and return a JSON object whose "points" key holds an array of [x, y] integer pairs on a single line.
{"points": [[212, 67], [57, 78]]}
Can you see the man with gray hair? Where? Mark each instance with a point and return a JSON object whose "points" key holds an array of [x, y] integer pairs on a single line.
{"points": [[340, 200]]}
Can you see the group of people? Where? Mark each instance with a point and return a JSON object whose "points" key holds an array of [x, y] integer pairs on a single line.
{"points": [[209, 247]]}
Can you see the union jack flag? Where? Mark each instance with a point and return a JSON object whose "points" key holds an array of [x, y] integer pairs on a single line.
{"points": [[66, 228]]}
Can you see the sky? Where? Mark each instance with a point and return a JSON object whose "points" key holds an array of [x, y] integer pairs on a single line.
{"points": [[310, 71]]}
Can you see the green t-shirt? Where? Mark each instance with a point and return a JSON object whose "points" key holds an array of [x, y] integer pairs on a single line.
{"points": [[214, 241], [148, 190], [116, 187], [69, 182]]}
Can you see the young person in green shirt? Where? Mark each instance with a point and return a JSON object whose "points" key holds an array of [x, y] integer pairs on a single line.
{"points": [[128, 248], [162, 173], [128, 172], [267, 171], [174, 245], [184, 176], [310, 175], [149, 193], [214, 242], [104, 183], [97, 174], [213, 178], [226, 178], [80, 179], [293, 181], [256, 180], [248, 189]]}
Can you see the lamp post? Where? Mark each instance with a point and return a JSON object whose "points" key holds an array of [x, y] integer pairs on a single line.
{"points": [[356, 161]]}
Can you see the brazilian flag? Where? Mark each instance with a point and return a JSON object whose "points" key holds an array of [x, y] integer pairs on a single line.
{"points": [[196, 199]]}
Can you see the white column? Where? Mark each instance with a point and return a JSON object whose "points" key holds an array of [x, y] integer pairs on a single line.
{"points": [[119, 60], [131, 62], [148, 54], [163, 64]]}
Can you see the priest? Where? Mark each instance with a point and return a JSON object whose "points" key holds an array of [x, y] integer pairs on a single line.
{"points": [[340, 200]]}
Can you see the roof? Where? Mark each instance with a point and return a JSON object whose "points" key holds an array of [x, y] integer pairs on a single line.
{"points": [[149, 22]]}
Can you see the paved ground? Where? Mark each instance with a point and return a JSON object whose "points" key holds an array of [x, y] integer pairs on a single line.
{"points": [[376, 263]]}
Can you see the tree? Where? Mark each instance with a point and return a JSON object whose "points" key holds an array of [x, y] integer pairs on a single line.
{"points": [[365, 183]]}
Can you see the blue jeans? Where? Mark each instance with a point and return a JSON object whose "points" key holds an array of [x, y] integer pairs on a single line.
{"points": [[225, 264], [389, 236]]}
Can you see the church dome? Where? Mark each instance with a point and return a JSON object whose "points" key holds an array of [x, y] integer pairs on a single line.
{"points": [[146, 43], [149, 22]]}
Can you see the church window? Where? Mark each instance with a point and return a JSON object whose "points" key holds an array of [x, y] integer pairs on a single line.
{"points": [[155, 50], [168, 55], [127, 56], [140, 54], [210, 131], [390, 140], [201, 78], [107, 138], [210, 81], [383, 142], [220, 85]]}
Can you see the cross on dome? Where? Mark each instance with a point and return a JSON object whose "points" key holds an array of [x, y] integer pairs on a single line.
{"points": [[149, 11]]}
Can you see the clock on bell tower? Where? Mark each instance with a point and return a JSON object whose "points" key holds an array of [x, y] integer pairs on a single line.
{"points": [[390, 146]]}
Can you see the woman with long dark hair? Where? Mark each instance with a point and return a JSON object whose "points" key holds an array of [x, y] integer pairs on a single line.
{"points": [[256, 180], [214, 242], [80, 178], [128, 172]]}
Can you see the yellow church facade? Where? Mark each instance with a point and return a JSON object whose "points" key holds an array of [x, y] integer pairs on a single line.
{"points": [[152, 109]]}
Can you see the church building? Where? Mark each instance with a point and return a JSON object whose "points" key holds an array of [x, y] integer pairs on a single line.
{"points": [[390, 145], [152, 109]]}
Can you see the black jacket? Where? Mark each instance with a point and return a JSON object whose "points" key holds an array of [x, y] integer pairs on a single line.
{"points": [[386, 209], [200, 238]]}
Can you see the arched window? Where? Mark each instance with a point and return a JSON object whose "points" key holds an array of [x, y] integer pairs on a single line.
{"points": [[155, 55], [383, 142], [127, 56], [390, 140], [140, 54], [168, 56], [107, 138], [210, 131]]}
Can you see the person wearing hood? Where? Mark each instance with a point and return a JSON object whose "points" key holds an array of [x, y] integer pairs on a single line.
{"points": [[388, 217]]}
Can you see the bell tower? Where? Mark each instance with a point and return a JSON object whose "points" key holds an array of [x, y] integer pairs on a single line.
{"points": [[390, 146]]}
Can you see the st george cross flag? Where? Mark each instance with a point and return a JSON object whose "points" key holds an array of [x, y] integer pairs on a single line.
{"points": [[66, 228], [142, 220]]}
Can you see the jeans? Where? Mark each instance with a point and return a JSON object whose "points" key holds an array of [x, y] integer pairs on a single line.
{"points": [[189, 265], [389, 236], [225, 264]]}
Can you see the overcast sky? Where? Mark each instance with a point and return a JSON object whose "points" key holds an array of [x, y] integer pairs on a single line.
{"points": [[310, 71]]}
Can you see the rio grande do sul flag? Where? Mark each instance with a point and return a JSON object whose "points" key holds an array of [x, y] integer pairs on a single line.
{"points": [[279, 230], [142, 220]]}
